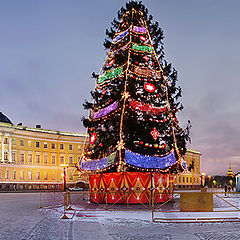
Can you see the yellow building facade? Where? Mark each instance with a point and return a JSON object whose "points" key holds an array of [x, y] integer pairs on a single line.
{"points": [[192, 179], [33, 158]]}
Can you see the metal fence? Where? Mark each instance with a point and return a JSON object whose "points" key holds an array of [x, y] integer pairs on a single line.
{"points": [[225, 206]]}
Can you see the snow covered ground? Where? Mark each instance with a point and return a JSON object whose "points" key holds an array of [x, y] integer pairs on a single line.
{"points": [[22, 219]]}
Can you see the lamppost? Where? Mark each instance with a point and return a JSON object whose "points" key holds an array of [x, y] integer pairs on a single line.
{"points": [[64, 166], [203, 179], [209, 181]]}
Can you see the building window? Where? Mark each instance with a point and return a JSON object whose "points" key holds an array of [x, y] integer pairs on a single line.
{"points": [[37, 144], [5, 140], [53, 159], [21, 143], [14, 157], [29, 143], [61, 159], [21, 175], [29, 175], [187, 179], [14, 142], [61, 146], [38, 175], [14, 175], [53, 145], [194, 180], [183, 179], [30, 158], [70, 160], [190, 179], [22, 158], [45, 159], [179, 179], [45, 145], [45, 176], [6, 156], [37, 158], [70, 147], [7, 174]]}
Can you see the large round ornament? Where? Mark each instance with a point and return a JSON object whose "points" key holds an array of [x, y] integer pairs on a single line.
{"points": [[143, 38], [111, 62], [93, 138], [149, 87]]}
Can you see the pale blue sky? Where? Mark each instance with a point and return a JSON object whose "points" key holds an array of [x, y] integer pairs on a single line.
{"points": [[49, 48]]}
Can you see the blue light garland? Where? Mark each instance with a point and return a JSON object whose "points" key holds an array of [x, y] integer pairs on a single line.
{"points": [[153, 162], [93, 165]]}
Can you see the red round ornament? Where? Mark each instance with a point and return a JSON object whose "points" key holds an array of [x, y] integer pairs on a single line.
{"points": [[111, 62], [146, 58], [149, 87], [93, 138], [143, 38], [141, 142]]}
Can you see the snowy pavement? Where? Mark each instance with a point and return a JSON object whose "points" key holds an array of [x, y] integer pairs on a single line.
{"points": [[21, 219]]}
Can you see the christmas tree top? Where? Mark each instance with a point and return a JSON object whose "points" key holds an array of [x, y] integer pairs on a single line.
{"points": [[132, 123]]}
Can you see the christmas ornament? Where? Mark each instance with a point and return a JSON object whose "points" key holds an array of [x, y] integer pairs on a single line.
{"points": [[143, 38], [149, 87], [146, 58], [155, 133], [111, 62], [93, 138]]}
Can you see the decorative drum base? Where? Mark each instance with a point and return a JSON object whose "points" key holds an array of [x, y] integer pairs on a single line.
{"points": [[130, 187]]}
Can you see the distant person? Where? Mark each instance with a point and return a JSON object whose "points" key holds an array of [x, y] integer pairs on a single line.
{"points": [[225, 188]]}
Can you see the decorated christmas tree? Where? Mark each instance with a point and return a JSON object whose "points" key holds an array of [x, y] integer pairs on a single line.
{"points": [[132, 124]]}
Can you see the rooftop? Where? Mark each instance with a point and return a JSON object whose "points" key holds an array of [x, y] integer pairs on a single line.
{"points": [[4, 118]]}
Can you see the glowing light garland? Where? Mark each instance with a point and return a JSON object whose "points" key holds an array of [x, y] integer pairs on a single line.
{"points": [[145, 72], [93, 165], [142, 48], [103, 112], [110, 74], [121, 35], [146, 107], [139, 29], [145, 161]]}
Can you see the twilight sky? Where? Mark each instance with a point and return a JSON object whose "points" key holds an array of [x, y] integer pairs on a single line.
{"points": [[48, 50]]}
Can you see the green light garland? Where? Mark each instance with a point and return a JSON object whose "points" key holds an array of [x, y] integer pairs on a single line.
{"points": [[142, 48], [109, 75]]}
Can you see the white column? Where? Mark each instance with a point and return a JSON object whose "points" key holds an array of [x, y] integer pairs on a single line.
{"points": [[2, 160], [10, 148]]}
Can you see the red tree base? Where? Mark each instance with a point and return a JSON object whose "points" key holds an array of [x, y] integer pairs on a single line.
{"points": [[130, 187]]}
